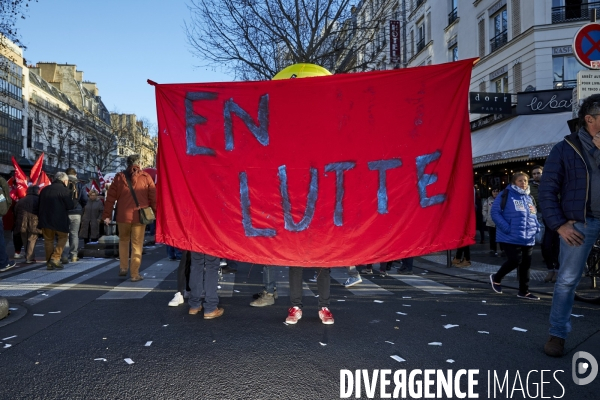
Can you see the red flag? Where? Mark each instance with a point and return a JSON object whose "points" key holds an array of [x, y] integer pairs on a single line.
{"points": [[43, 180], [100, 179], [93, 187], [36, 169], [324, 171], [20, 179]]}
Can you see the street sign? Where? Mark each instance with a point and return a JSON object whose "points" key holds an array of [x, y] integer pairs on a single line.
{"points": [[586, 45], [588, 83]]}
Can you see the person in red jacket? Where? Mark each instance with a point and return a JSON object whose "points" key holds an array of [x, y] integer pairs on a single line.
{"points": [[127, 217]]}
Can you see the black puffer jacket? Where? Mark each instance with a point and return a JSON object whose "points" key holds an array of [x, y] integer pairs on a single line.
{"points": [[26, 212], [55, 203]]}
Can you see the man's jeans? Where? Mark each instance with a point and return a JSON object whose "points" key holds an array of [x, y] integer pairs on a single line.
{"points": [[269, 279], [3, 255], [73, 245], [204, 278], [572, 263], [173, 253]]}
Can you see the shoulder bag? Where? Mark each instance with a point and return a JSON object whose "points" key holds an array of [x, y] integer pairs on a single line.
{"points": [[146, 214]]}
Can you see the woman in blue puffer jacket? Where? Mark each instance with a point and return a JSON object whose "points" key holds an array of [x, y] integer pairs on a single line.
{"points": [[516, 226]]}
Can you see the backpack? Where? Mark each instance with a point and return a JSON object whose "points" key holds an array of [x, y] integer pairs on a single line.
{"points": [[3, 198]]}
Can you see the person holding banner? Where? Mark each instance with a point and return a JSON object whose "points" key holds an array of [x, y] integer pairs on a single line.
{"points": [[323, 287], [204, 279]]}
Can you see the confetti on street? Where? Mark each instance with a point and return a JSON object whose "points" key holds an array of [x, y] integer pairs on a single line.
{"points": [[486, 332], [38, 315], [519, 329], [10, 337], [450, 360], [398, 358], [448, 326], [99, 359], [129, 360], [148, 344], [481, 314], [389, 342], [378, 301], [435, 343], [401, 313], [323, 344], [576, 315]]}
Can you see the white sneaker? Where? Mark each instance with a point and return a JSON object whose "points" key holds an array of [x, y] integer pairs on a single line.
{"points": [[186, 294], [223, 262], [17, 255], [177, 300]]}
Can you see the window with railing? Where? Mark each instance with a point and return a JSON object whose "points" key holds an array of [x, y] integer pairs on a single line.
{"points": [[420, 45], [453, 16], [565, 69], [419, 2], [498, 41], [573, 10]]}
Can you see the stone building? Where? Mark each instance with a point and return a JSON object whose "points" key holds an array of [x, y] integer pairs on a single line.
{"points": [[133, 138]]}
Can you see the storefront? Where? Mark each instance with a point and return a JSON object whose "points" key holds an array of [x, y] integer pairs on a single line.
{"points": [[504, 144]]}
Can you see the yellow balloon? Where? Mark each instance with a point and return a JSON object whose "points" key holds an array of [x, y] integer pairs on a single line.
{"points": [[302, 70]]}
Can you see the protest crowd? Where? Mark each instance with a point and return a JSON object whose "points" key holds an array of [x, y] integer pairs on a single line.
{"points": [[557, 206]]}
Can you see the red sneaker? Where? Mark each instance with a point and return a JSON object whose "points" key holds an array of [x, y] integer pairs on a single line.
{"points": [[326, 316], [294, 314]]}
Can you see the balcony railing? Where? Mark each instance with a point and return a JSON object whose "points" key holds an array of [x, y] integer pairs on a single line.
{"points": [[51, 149], [420, 45], [419, 2], [453, 16], [574, 12], [498, 41], [38, 146]]}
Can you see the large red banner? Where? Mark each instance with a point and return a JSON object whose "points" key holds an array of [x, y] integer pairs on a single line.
{"points": [[323, 171]]}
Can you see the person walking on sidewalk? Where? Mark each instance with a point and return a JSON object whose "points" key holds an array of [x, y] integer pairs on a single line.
{"points": [[515, 217], [183, 279], [570, 197], [53, 219], [128, 216], [5, 203], [489, 222]]}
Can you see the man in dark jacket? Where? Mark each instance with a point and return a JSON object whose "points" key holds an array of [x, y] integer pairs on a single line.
{"points": [[569, 197], [80, 198], [5, 202], [55, 202]]}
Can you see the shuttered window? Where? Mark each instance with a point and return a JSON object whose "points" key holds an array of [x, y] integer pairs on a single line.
{"points": [[516, 18], [481, 29], [517, 78]]}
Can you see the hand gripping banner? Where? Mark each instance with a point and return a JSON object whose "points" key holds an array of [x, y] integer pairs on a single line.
{"points": [[323, 171]]}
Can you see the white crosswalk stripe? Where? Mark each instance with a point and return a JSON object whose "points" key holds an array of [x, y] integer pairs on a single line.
{"points": [[39, 278], [365, 288], [153, 276], [425, 284]]}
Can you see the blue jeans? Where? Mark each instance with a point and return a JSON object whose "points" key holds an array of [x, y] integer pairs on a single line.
{"points": [[572, 263], [204, 277], [269, 279], [3, 255], [74, 223], [173, 252], [353, 272]]}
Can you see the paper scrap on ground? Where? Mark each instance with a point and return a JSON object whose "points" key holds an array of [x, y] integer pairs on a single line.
{"points": [[406, 305], [165, 325], [218, 287], [483, 301], [129, 361], [576, 315], [519, 329], [38, 315], [406, 297], [481, 314], [435, 343], [53, 312], [148, 344], [317, 295], [398, 358], [450, 360], [448, 326], [323, 344], [341, 300], [13, 309], [378, 301], [44, 294], [401, 313], [6, 346], [237, 291], [486, 332], [99, 359], [10, 337], [443, 315], [389, 342]]}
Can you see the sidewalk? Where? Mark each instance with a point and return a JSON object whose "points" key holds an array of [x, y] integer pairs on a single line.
{"points": [[483, 264]]}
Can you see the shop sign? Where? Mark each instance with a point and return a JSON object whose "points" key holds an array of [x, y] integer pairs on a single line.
{"points": [[490, 103], [544, 102]]}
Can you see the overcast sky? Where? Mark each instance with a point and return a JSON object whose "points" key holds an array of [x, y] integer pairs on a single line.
{"points": [[118, 44]]}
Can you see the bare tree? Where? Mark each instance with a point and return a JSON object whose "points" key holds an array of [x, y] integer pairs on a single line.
{"points": [[10, 12], [100, 146], [256, 39]]}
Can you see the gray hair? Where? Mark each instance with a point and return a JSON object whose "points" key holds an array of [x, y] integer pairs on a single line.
{"points": [[61, 176], [590, 106], [133, 159]]}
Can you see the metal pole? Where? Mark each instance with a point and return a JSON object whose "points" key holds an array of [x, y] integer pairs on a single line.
{"points": [[448, 258], [404, 60], [593, 15]]}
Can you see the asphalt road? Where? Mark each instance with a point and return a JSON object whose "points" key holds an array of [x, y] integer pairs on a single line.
{"points": [[69, 336]]}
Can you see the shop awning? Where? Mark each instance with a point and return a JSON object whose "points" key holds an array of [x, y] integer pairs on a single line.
{"points": [[521, 138]]}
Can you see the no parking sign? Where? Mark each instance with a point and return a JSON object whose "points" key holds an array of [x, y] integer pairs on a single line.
{"points": [[586, 45]]}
